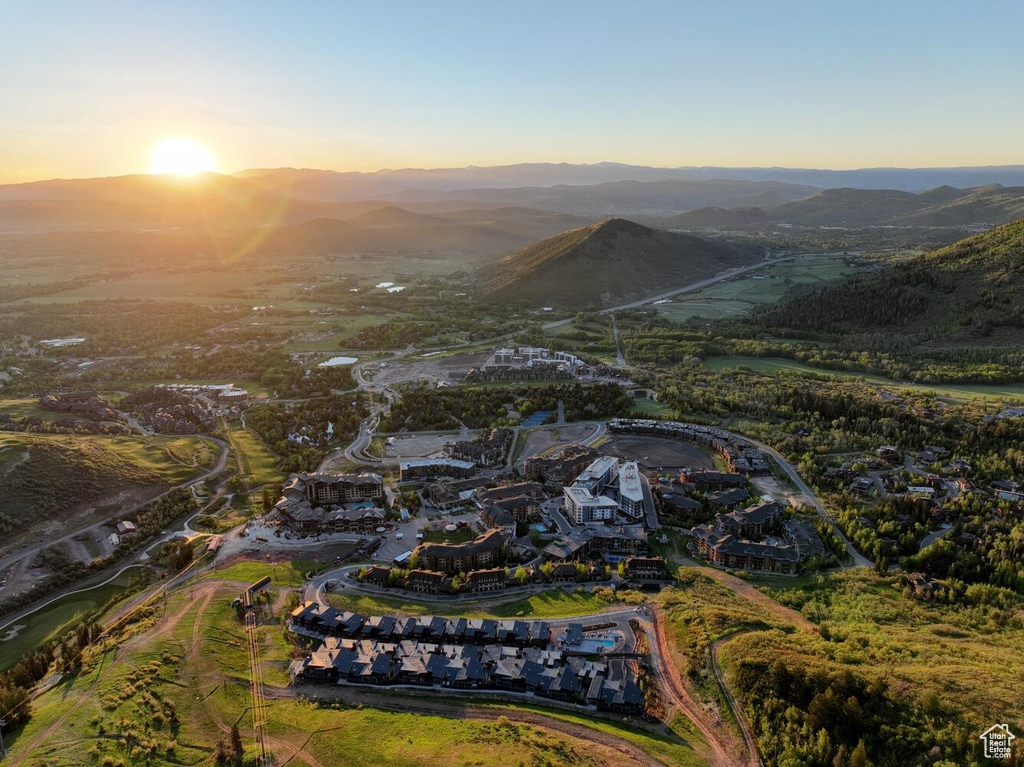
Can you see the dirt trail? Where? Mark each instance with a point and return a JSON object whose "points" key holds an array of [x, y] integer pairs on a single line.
{"points": [[737, 710], [750, 592], [672, 686]]}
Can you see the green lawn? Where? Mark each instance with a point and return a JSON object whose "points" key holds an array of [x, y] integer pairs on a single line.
{"points": [[556, 603], [56, 618], [258, 461], [648, 407], [28, 407], [291, 573], [739, 295]]}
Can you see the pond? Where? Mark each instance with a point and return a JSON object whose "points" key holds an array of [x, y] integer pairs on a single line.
{"points": [[335, 361]]}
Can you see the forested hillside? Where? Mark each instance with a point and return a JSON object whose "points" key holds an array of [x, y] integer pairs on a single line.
{"points": [[966, 291]]}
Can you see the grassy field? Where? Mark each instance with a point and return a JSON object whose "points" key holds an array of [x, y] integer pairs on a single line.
{"points": [[970, 657], [949, 391], [29, 408], [648, 407], [739, 295], [547, 605], [34, 470], [459, 536], [257, 459], [166, 692], [56, 618], [966, 657], [291, 573]]}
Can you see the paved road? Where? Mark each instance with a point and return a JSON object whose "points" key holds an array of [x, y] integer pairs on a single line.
{"points": [[620, 355], [859, 560], [933, 536], [685, 289]]}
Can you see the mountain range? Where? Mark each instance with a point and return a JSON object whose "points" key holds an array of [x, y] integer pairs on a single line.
{"points": [[942, 206]]}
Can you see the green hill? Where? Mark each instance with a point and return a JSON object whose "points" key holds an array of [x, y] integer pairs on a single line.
{"points": [[608, 263], [971, 289]]}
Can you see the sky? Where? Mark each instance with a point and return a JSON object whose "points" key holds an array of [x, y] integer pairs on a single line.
{"points": [[89, 89]]}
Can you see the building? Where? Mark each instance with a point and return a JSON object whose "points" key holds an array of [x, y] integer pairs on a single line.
{"points": [[583, 507], [359, 517], [454, 493], [561, 470], [315, 504], [494, 579], [125, 527], [607, 491], [631, 491], [511, 656], [497, 518], [703, 479], [528, 363], [727, 542], [727, 499], [753, 521], [325, 488], [723, 549], [645, 568], [426, 581], [428, 468], [489, 450], [596, 542], [462, 557]]}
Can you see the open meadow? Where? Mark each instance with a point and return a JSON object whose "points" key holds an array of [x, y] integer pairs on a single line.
{"points": [[171, 684]]}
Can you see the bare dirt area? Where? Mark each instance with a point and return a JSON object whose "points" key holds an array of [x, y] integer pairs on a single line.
{"points": [[451, 369], [542, 440], [657, 453], [780, 491], [77, 517], [415, 445]]}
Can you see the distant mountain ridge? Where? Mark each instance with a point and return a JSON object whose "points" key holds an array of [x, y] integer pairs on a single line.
{"points": [[606, 264], [942, 206], [553, 174]]}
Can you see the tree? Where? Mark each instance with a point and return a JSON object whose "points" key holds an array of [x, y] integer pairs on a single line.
{"points": [[236, 743], [522, 576], [859, 757]]}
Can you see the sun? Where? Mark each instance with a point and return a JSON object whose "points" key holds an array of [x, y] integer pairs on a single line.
{"points": [[182, 157]]}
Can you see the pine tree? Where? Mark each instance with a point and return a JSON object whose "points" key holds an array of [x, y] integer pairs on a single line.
{"points": [[859, 757], [236, 743]]}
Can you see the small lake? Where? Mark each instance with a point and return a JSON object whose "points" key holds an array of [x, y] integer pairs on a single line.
{"points": [[335, 361]]}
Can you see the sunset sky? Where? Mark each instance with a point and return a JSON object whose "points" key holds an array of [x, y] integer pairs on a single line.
{"points": [[91, 89]]}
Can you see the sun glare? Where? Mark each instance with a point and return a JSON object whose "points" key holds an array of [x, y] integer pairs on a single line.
{"points": [[182, 157]]}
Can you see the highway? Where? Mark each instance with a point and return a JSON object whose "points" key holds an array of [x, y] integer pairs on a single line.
{"points": [[685, 289]]}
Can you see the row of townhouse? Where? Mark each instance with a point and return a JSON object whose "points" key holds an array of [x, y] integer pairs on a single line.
{"points": [[428, 468], [319, 621], [463, 557], [604, 684]]}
